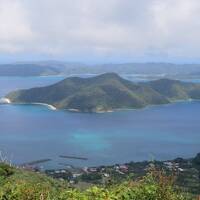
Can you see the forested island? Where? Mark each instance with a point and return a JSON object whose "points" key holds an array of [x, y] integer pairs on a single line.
{"points": [[107, 92]]}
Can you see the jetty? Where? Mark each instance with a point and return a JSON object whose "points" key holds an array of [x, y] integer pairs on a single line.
{"points": [[73, 157], [35, 162]]}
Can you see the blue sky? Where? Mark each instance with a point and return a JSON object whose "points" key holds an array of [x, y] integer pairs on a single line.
{"points": [[100, 31]]}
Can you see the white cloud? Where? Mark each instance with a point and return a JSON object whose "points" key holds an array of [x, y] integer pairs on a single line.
{"points": [[14, 26], [128, 28]]}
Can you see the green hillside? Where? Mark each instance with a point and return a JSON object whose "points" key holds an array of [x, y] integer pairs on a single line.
{"points": [[19, 184], [106, 92]]}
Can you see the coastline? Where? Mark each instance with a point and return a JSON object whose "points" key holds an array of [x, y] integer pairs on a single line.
{"points": [[131, 109], [51, 107], [8, 101], [5, 101]]}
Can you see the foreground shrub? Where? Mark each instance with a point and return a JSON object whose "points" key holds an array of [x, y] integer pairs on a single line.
{"points": [[6, 170], [152, 187], [31, 186]]}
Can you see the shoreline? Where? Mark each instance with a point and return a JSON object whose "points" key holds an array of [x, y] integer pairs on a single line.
{"points": [[174, 159], [8, 101], [133, 109], [5, 101], [51, 107]]}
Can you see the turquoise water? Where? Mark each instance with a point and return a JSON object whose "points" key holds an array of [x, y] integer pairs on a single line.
{"points": [[30, 132]]}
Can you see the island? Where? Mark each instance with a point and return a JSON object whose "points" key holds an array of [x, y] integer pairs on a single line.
{"points": [[29, 69], [106, 92]]}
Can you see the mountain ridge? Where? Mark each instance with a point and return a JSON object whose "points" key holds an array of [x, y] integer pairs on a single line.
{"points": [[107, 92], [47, 68]]}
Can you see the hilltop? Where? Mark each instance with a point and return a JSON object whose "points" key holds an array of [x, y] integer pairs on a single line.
{"points": [[107, 92]]}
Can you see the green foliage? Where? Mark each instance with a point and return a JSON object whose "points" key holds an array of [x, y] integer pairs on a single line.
{"points": [[25, 185], [196, 160], [5, 170], [91, 177]]}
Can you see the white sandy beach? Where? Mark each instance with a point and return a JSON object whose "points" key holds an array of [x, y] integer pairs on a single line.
{"points": [[5, 101], [45, 104], [8, 101]]}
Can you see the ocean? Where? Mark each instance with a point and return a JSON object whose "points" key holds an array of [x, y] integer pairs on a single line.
{"points": [[34, 132]]}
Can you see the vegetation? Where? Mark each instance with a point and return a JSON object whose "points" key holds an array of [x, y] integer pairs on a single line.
{"points": [[107, 92], [18, 184], [185, 171]]}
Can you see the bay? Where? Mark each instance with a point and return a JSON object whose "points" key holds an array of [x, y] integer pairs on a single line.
{"points": [[33, 132]]}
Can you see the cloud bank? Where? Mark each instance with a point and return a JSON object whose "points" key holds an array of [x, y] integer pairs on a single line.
{"points": [[96, 28]]}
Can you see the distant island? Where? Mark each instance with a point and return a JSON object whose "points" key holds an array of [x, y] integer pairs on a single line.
{"points": [[64, 68], [28, 69], [106, 92]]}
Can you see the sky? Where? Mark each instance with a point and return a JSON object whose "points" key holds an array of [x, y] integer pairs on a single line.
{"points": [[100, 31]]}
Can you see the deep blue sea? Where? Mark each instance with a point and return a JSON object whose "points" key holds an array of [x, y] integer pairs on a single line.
{"points": [[30, 132]]}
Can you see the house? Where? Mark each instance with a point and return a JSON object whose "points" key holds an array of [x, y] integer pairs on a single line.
{"points": [[123, 168], [92, 169]]}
